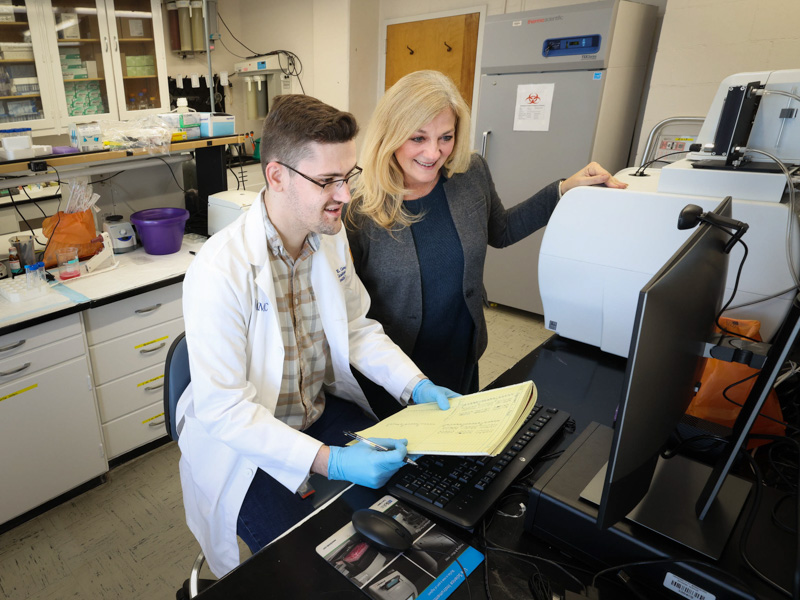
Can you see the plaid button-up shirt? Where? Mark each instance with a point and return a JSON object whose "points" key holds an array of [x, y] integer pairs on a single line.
{"points": [[306, 361]]}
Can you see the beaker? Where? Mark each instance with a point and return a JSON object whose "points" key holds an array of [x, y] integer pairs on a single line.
{"points": [[24, 246], [68, 263]]}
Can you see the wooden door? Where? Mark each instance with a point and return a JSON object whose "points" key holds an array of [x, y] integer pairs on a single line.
{"points": [[446, 44]]}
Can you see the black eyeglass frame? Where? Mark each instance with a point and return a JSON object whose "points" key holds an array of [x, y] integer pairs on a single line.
{"points": [[355, 172]]}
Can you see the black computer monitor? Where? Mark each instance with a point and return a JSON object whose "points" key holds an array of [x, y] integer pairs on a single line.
{"points": [[675, 317]]}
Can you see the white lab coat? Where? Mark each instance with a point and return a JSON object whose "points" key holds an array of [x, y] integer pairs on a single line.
{"points": [[236, 358]]}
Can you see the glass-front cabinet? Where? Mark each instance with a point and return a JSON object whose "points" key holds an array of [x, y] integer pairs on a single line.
{"points": [[24, 73], [68, 61], [140, 65], [111, 55]]}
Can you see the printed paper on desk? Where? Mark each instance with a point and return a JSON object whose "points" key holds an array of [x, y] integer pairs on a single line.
{"points": [[534, 104], [433, 568], [475, 424]]}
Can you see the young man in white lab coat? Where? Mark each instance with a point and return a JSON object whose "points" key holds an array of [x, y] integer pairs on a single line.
{"points": [[275, 314]]}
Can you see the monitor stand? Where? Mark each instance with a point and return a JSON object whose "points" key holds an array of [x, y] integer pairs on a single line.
{"points": [[751, 167], [668, 508]]}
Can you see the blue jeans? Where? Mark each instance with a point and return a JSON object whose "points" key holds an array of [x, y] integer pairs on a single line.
{"points": [[269, 508]]}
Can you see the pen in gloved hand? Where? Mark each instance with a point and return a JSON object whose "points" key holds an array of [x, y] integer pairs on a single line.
{"points": [[355, 436]]}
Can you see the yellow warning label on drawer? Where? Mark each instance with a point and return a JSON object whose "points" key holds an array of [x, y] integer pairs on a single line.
{"points": [[161, 339], [152, 418], [150, 381], [18, 392]]}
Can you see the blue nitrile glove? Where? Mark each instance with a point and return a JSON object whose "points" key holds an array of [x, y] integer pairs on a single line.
{"points": [[426, 391], [364, 465]]}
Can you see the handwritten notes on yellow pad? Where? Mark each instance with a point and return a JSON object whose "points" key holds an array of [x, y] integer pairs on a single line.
{"points": [[476, 424]]}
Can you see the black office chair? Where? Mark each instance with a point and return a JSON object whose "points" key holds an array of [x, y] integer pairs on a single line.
{"points": [[176, 379]]}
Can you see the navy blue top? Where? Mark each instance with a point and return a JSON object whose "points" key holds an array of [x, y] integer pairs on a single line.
{"points": [[447, 328]]}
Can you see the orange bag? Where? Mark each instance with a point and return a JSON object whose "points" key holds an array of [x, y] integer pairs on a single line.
{"points": [[711, 405], [70, 229]]}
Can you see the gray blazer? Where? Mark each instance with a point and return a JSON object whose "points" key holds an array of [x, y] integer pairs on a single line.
{"points": [[389, 268]]}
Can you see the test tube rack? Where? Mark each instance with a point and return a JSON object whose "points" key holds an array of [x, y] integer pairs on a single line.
{"points": [[16, 290]]}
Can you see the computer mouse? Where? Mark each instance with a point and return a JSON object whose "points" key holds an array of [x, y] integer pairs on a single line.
{"points": [[382, 530]]}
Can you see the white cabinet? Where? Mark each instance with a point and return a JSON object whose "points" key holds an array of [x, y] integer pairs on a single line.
{"points": [[50, 436], [128, 344], [26, 76], [91, 58]]}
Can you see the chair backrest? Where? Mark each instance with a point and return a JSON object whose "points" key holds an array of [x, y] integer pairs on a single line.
{"points": [[176, 378]]}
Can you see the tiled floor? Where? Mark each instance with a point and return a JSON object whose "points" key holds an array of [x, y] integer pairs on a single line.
{"points": [[127, 538]]}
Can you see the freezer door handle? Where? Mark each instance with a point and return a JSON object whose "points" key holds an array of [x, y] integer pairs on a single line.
{"points": [[483, 145]]}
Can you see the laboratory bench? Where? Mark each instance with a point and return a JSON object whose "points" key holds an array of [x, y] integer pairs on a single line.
{"points": [[81, 375]]}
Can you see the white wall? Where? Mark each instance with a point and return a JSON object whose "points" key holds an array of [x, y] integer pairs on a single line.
{"points": [[701, 42], [336, 40], [364, 36], [704, 41], [331, 33]]}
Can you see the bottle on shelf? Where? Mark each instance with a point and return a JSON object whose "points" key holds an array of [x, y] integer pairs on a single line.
{"points": [[132, 103], [152, 103], [142, 101]]}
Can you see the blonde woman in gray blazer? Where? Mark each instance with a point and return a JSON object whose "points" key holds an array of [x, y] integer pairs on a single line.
{"points": [[419, 223]]}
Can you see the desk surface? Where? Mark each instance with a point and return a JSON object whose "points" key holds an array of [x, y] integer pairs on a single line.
{"points": [[569, 375], [137, 272]]}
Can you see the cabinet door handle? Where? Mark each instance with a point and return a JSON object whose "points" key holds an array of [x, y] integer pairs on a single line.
{"points": [[148, 351], [140, 311], [15, 371], [105, 40], [484, 143], [156, 423], [153, 388], [116, 44], [12, 346]]}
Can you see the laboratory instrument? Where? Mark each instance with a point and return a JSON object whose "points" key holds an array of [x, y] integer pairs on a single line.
{"points": [[123, 238], [225, 207], [602, 246]]}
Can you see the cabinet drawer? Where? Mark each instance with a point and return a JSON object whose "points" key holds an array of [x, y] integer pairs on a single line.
{"points": [[133, 314], [50, 437], [135, 429], [12, 344], [133, 352], [30, 362], [130, 393]]}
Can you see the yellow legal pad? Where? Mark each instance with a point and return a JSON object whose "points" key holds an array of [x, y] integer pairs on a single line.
{"points": [[476, 424]]}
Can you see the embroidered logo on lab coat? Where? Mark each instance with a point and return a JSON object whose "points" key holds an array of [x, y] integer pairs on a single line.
{"points": [[341, 272], [262, 306]]}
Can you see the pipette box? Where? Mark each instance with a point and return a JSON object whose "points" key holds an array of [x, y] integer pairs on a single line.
{"points": [[212, 124], [85, 137]]}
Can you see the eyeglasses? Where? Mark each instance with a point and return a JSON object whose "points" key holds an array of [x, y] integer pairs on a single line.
{"points": [[328, 186]]}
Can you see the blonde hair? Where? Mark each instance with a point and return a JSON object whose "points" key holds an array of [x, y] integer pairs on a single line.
{"points": [[407, 106]]}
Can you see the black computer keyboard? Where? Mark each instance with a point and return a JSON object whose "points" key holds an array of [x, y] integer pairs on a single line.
{"points": [[461, 489]]}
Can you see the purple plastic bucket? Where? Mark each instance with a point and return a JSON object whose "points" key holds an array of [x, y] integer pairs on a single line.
{"points": [[160, 229]]}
